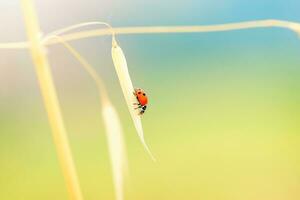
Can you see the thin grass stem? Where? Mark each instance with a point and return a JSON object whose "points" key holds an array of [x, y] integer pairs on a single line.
{"points": [[268, 23], [294, 26]]}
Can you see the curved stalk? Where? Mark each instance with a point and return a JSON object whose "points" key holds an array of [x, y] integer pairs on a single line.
{"points": [[293, 26], [76, 26], [268, 23]]}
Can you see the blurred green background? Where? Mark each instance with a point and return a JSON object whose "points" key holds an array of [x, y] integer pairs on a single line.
{"points": [[223, 117]]}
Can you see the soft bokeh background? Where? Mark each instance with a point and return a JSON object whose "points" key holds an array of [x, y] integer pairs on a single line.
{"points": [[223, 119]]}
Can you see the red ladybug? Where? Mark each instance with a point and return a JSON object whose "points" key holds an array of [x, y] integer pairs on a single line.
{"points": [[142, 100]]}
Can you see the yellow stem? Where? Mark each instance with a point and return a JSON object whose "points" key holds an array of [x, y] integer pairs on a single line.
{"points": [[50, 100], [268, 23]]}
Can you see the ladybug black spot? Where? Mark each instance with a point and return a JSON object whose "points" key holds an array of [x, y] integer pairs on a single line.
{"points": [[139, 92], [144, 94]]}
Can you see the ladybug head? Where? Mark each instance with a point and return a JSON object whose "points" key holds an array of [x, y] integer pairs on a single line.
{"points": [[140, 92]]}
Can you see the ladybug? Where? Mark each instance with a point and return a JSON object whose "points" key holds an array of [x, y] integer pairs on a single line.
{"points": [[142, 100]]}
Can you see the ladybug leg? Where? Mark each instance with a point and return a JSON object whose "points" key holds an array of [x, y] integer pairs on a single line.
{"points": [[142, 112], [139, 106]]}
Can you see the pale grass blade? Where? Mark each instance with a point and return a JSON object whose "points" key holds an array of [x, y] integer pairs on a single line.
{"points": [[120, 64]]}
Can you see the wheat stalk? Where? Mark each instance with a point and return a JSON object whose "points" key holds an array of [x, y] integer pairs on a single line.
{"points": [[50, 100]]}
